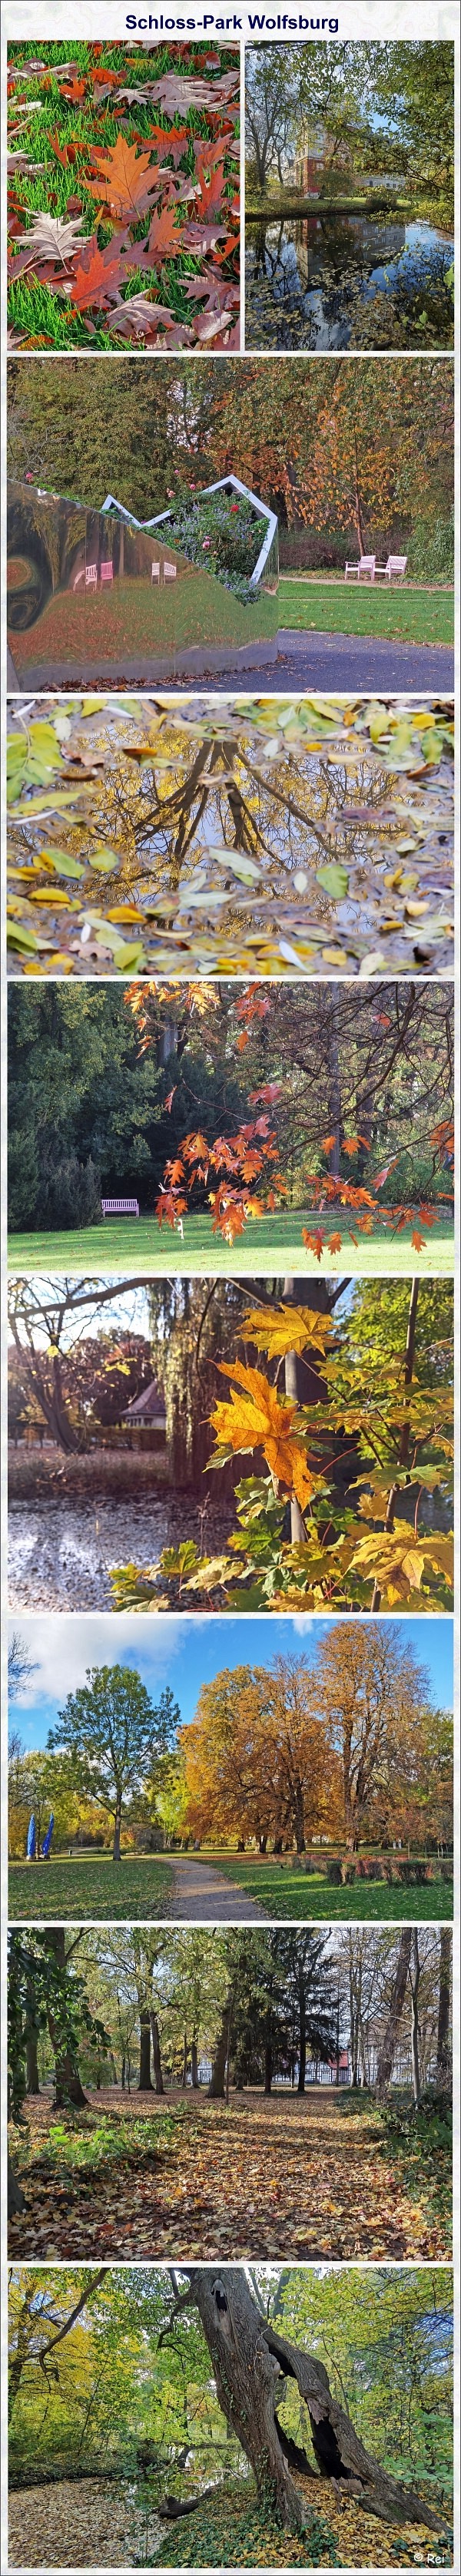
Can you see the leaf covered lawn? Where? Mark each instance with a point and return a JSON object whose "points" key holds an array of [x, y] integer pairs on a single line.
{"points": [[338, 2534], [123, 210], [188, 2178]]}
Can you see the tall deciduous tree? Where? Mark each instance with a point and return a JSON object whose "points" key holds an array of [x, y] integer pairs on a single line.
{"points": [[114, 1734]]}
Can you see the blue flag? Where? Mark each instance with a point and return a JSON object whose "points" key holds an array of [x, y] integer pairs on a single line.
{"points": [[31, 1840], [46, 1845]]}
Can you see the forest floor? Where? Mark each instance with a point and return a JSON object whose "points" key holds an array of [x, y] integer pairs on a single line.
{"points": [[327, 2175], [338, 2534], [409, 613], [291, 1894], [90, 2522], [129, 1240], [86, 2522]]}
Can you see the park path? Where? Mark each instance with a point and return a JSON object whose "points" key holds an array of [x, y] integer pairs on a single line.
{"points": [[202, 1896], [309, 658]]}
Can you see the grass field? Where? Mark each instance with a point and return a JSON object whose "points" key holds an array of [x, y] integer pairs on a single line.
{"points": [[413, 615], [291, 1893], [139, 1243], [90, 1887]]}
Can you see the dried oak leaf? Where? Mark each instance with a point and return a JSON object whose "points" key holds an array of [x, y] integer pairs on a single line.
{"points": [[137, 316], [99, 275], [209, 165], [164, 239], [173, 143], [48, 239], [125, 179]]}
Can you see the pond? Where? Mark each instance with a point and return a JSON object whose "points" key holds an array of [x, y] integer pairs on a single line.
{"points": [[60, 1551], [348, 281]]}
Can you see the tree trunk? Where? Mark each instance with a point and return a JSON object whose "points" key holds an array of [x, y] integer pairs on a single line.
{"points": [[375, 1603], [217, 2083], [303, 1381], [386, 2052], [145, 2079], [415, 1975], [117, 1826], [185, 2057], [302, 2033], [268, 2066], [32, 2076], [443, 2027], [249, 2359], [334, 1103], [194, 2065], [156, 2054], [68, 2087], [16, 2201]]}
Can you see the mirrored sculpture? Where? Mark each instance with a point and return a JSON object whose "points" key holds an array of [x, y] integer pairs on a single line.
{"points": [[97, 595]]}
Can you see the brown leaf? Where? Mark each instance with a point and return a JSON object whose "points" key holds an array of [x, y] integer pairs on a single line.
{"points": [[125, 179]]}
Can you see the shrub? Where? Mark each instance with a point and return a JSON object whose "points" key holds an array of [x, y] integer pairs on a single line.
{"points": [[431, 552], [334, 1873], [223, 534]]}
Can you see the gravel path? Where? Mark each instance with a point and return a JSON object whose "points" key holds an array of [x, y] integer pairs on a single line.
{"points": [[201, 1896]]}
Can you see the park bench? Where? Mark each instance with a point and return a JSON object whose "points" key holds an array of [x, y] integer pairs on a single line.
{"points": [[363, 571], [107, 572], [120, 1207], [393, 570]]}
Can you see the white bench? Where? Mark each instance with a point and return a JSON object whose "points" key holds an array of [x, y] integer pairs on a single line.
{"points": [[363, 571], [393, 570], [107, 572], [120, 1207]]}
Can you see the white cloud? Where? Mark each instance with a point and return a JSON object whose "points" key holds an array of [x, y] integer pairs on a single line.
{"points": [[64, 1648]]}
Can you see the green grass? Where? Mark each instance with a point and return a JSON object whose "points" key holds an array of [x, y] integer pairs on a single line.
{"points": [[90, 1887], [289, 1892], [139, 1243], [409, 615]]}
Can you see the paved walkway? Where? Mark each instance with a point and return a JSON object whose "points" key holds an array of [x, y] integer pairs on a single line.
{"points": [[201, 1896], [344, 664]]}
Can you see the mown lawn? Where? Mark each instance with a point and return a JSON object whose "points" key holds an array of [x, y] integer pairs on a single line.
{"points": [[89, 1888], [342, 608], [139, 1243], [291, 1892]]}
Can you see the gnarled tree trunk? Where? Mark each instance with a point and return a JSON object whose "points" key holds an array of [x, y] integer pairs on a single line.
{"points": [[443, 2026], [250, 2362]]}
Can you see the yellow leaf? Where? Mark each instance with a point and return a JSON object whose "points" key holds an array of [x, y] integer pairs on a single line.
{"points": [[289, 1328]]}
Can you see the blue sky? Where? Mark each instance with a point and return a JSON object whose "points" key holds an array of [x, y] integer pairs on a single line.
{"points": [[185, 1652]]}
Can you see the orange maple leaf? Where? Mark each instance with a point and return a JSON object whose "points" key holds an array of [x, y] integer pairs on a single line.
{"points": [[256, 1419], [335, 1242]]}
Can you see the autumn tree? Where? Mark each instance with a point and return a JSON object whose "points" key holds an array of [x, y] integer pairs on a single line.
{"points": [[113, 1733], [257, 1761]]}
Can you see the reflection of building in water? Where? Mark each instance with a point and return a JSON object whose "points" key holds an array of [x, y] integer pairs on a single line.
{"points": [[353, 242]]}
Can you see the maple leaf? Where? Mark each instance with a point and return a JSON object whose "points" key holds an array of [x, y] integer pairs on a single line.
{"points": [[267, 1091], [288, 1328], [328, 1142], [335, 1242], [124, 179], [255, 1418]]}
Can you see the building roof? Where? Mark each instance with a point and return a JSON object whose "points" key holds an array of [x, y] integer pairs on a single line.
{"points": [[147, 1407]]}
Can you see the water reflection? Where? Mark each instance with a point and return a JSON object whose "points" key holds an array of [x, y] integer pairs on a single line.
{"points": [[312, 283], [94, 597], [60, 1550]]}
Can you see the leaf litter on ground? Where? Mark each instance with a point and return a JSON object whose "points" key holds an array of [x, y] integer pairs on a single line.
{"points": [[143, 157], [207, 2180]]}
